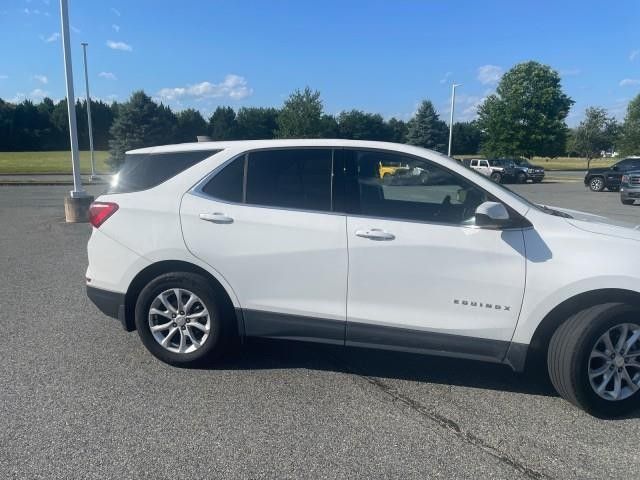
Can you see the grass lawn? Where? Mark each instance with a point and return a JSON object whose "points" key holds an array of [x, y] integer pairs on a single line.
{"points": [[50, 162]]}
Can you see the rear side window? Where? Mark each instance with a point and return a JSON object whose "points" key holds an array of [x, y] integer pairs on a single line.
{"points": [[227, 183], [295, 178], [142, 171]]}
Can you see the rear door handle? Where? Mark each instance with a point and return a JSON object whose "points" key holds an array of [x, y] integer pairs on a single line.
{"points": [[375, 234], [216, 217]]}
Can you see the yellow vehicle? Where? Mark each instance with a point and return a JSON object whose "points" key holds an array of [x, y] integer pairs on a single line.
{"points": [[390, 168]]}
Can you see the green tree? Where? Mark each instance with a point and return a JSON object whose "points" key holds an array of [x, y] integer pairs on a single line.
{"points": [[301, 115], [596, 133], [257, 123], [630, 138], [223, 125], [426, 129], [140, 123], [189, 124], [397, 130], [466, 140], [526, 116], [359, 125]]}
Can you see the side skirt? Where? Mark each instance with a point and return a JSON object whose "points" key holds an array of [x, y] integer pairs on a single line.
{"points": [[258, 323]]}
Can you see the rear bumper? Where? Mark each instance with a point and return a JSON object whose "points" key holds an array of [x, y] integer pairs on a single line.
{"points": [[109, 303]]}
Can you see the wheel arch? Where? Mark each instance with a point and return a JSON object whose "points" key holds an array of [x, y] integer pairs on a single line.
{"points": [[537, 350], [168, 266]]}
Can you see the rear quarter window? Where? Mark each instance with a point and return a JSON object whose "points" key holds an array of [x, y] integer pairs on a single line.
{"points": [[142, 171]]}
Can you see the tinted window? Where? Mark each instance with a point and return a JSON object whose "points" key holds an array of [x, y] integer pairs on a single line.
{"points": [[418, 190], [227, 184], [147, 170], [295, 178]]}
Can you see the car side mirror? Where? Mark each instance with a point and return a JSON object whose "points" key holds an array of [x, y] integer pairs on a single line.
{"points": [[492, 215]]}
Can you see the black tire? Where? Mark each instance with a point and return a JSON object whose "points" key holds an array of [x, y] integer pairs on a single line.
{"points": [[220, 327], [521, 177], [596, 184], [568, 358], [496, 177], [537, 180], [627, 201]]}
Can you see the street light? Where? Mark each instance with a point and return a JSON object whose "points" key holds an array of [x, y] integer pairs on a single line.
{"points": [[86, 81], [453, 104], [76, 205]]}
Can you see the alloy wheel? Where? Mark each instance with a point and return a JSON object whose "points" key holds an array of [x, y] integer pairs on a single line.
{"points": [[614, 363], [179, 320]]}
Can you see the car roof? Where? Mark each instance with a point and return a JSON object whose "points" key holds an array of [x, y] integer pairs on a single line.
{"points": [[284, 143]]}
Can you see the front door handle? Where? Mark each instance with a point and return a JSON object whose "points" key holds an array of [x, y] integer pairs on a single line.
{"points": [[375, 234], [216, 217]]}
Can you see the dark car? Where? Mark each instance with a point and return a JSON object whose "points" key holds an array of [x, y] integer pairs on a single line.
{"points": [[526, 171], [597, 179], [509, 169], [630, 187]]}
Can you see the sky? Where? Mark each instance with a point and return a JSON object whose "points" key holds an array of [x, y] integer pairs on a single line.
{"points": [[379, 56]]}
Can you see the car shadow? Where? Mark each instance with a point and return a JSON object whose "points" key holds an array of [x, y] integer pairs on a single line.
{"points": [[278, 354]]}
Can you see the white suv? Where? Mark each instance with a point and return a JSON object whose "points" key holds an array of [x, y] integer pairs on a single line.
{"points": [[198, 244]]}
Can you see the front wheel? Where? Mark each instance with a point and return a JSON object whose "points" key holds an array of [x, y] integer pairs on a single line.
{"points": [[596, 184], [594, 359], [179, 319], [496, 177], [627, 201]]}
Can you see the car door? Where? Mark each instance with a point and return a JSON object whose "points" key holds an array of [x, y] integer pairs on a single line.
{"points": [[422, 276], [485, 169], [264, 221]]}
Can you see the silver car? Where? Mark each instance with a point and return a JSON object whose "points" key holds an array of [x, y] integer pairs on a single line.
{"points": [[630, 187]]}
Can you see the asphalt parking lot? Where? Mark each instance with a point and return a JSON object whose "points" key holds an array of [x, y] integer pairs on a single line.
{"points": [[83, 399]]}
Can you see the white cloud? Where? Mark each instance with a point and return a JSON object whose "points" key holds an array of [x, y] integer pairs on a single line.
{"points": [[4, 77], [629, 82], [107, 75], [489, 74], [119, 46], [633, 55], [41, 78], [38, 93], [75, 29], [115, 11], [233, 86], [446, 77], [51, 38], [116, 27]]}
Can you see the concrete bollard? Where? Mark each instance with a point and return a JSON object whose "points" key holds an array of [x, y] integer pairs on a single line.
{"points": [[76, 210]]}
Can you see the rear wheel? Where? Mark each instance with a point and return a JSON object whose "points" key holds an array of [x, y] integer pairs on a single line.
{"points": [[179, 319], [596, 184], [594, 359], [521, 177]]}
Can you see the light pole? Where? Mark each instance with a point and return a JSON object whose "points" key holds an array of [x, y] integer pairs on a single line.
{"points": [[86, 82], [76, 205], [453, 104]]}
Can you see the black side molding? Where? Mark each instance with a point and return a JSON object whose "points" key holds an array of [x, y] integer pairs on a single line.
{"points": [[419, 341]]}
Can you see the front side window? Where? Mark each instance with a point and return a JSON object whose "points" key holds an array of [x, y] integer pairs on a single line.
{"points": [[290, 178], [419, 191]]}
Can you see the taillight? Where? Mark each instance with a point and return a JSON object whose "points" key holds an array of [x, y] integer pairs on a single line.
{"points": [[625, 179], [100, 211]]}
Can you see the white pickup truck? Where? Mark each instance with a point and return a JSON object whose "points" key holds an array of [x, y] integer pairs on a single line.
{"points": [[496, 170]]}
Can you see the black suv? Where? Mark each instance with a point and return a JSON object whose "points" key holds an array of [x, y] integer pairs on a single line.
{"points": [[525, 171], [597, 179]]}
